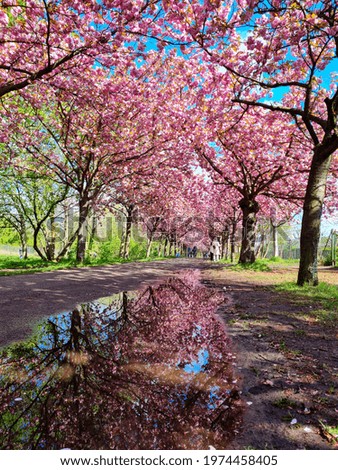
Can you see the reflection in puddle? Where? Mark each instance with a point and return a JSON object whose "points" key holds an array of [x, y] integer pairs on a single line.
{"points": [[151, 371]]}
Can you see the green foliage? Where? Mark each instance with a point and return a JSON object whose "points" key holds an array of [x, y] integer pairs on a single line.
{"points": [[137, 250], [107, 251], [8, 236], [327, 260]]}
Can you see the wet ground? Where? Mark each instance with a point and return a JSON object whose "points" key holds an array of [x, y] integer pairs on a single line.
{"points": [[145, 370]]}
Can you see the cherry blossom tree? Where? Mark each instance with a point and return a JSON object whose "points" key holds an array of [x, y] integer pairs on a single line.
{"points": [[271, 46], [40, 39], [100, 130], [224, 217], [255, 164]]}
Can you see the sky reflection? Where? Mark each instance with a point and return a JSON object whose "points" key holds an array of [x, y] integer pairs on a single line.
{"points": [[146, 371]]}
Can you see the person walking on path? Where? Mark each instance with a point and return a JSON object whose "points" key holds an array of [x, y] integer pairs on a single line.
{"points": [[216, 250], [211, 252]]}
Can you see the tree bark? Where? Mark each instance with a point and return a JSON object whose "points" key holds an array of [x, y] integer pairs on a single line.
{"points": [[93, 232], [23, 241], [127, 233], [312, 211], [225, 243], [249, 210], [275, 240], [51, 238], [233, 240], [149, 244], [82, 233], [165, 248]]}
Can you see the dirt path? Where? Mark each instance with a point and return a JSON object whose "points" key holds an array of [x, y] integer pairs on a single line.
{"points": [[287, 364], [26, 299]]}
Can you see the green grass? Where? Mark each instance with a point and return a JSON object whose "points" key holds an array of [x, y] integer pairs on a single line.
{"points": [[258, 265], [276, 262], [264, 265], [326, 295], [13, 265], [332, 430]]}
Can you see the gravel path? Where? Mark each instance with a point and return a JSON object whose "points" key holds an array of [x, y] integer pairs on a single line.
{"points": [[26, 299]]}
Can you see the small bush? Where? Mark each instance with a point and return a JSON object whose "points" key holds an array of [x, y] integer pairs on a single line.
{"points": [[137, 250]]}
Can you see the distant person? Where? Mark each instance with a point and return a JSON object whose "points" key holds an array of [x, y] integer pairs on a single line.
{"points": [[194, 252], [211, 252], [216, 250], [189, 252]]}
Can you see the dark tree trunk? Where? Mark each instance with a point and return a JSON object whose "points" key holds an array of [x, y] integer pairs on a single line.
{"points": [[23, 243], [51, 238], [312, 211], [249, 211], [36, 243]]}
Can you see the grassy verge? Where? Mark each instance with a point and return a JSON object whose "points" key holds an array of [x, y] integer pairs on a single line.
{"points": [[263, 265], [324, 297], [13, 265]]}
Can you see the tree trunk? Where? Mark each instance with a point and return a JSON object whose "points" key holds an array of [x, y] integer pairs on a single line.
{"points": [[249, 211], [127, 233], [51, 238], [165, 248], [123, 237], [36, 243], [93, 232], [225, 243], [23, 243], [233, 240], [149, 243], [82, 233], [312, 211], [260, 248], [275, 240]]}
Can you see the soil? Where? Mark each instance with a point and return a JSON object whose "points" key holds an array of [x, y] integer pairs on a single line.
{"points": [[287, 362]]}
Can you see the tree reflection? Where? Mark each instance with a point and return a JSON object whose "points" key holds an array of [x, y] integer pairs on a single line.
{"points": [[147, 372]]}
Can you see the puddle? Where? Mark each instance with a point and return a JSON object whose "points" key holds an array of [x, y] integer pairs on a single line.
{"points": [[146, 370]]}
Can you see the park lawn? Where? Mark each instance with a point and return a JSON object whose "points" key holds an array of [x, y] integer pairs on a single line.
{"points": [[13, 265]]}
